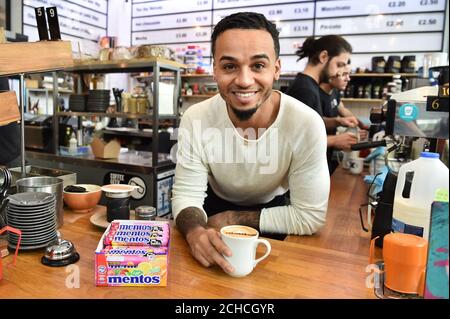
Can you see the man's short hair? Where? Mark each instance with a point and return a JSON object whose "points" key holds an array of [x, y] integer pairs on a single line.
{"points": [[248, 21]]}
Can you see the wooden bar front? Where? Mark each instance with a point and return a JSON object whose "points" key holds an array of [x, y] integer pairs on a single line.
{"points": [[331, 264]]}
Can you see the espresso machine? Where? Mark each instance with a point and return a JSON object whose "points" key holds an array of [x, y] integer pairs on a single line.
{"points": [[413, 121]]}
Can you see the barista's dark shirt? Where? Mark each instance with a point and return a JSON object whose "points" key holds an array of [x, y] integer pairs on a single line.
{"points": [[305, 89], [9, 135], [330, 103]]}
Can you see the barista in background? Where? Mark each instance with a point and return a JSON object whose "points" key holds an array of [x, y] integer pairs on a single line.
{"points": [[333, 107], [327, 56], [9, 137]]}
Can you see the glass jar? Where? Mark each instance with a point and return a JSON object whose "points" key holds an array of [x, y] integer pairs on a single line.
{"points": [[132, 105], [142, 103], [145, 213]]}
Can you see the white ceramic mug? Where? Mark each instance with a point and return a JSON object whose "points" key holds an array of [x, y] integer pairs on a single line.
{"points": [[356, 165], [346, 157], [242, 241]]}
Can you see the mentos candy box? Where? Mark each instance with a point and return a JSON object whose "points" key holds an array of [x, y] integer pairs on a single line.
{"points": [[120, 261]]}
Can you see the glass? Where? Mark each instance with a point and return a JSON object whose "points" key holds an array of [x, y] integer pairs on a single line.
{"points": [[145, 213], [2, 14]]}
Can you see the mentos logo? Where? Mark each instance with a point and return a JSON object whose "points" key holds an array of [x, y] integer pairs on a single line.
{"points": [[148, 280], [120, 251], [141, 227]]}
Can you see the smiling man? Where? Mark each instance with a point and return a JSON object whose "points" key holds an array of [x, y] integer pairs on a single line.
{"points": [[241, 151]]}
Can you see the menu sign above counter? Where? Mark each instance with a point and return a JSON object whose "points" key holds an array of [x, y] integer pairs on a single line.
{"points": [[83, 22], [340, 8], [152, 8], [378, 26]]}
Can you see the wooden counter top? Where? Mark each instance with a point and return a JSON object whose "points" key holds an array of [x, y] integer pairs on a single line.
{"points": [[329, 265], [342, 231]]}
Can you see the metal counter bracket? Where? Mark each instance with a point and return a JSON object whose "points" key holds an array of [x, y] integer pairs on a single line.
{"points": [[22, 123]]}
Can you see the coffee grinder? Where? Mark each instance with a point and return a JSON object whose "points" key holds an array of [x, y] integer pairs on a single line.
{"points": [[409, 117]]}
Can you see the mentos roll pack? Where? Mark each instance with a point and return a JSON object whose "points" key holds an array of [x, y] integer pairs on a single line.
{"points": [[133, 253]]}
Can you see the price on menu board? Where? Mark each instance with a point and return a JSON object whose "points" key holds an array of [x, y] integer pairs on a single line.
{"points": [[394, 23], [301, 10], [181, 20], [275, 12], [181, 35], [427, 21], [200, 34], [428, 2], [201, 19], [396, 4], [298, 28]]}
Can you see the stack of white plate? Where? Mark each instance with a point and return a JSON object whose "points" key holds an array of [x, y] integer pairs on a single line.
{"points": [[34, 214]]}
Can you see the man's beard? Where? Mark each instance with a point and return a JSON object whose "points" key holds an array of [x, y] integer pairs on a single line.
{"points": [[324, 76], [244, 115]]}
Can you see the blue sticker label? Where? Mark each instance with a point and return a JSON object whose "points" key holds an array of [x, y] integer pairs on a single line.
{"points": [[408, 112], [400, 227]]}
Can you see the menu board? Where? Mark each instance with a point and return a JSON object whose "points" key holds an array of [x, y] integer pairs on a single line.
{"points": [[376, 26], [82, 22]]}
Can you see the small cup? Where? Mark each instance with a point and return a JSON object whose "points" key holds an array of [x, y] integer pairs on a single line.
{"points": [[356, 165], [243, 240], [118, 208], [405, 259], [145, 213], [346, 157]]}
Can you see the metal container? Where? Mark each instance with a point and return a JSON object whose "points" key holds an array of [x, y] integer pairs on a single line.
{"points": [[145, 212], [52, 185], [69, 178]]}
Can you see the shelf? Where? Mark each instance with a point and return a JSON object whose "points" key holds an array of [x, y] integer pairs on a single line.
{"points": [[125, 66], [350, 99], [206, 75], [49, 90], [380, 75], [137, 133], [199, 96], [120, 115], [293, 75], [35, 57]]}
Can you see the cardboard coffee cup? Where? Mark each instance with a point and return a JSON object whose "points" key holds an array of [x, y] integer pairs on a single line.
{"points": [[243, 241]]}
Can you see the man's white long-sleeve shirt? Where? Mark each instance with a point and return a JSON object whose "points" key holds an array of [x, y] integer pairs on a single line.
{"points": [[289, 155]]}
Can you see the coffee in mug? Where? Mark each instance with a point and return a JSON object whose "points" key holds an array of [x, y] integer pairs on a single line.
{"points": [[241, 232], [243, 241]]}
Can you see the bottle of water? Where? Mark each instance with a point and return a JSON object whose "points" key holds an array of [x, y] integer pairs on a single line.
{"points": [[415, 191], [73, 145]]}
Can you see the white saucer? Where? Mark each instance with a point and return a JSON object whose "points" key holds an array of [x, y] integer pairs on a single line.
{"points": [[99, 219]]}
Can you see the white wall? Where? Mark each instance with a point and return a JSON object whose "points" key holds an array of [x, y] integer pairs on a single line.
{"points": [[119, 21], [119, 25]]}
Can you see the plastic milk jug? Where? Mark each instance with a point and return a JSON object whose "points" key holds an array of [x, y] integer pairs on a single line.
{"points": [[412, 206]]}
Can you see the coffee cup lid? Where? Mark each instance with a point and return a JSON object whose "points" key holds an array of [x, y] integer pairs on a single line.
{"points": [[406, 248], [119, 188]]}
